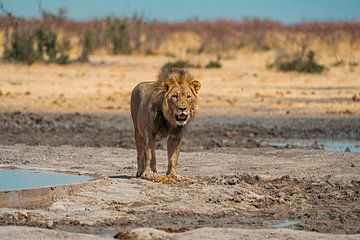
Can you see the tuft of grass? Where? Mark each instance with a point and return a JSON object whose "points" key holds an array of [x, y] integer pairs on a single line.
{"points": [[168, 54], [339, 63], [307, 65], [213, 64], [353, 64], [149, 52], [179, 64]]}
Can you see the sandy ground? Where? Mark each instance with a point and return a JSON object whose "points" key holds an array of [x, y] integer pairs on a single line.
{"points": [[76, 118]]}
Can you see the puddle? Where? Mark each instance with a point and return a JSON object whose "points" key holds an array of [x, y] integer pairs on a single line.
{"points": [[327, 145], [26, 179], [286, 223], [106, 233]]}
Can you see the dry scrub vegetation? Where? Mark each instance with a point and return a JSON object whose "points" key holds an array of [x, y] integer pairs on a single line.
{"points": [[303, 47]]}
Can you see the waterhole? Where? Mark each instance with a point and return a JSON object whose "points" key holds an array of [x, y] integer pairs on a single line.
{"points": [[29, 188], [327, 145], [27, 179]]}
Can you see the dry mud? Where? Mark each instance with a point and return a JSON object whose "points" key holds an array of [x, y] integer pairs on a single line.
{"points": [[248, 188], [205, 133]]}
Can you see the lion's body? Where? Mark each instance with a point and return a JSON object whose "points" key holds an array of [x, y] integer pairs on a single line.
{"points": [[162, 109]]}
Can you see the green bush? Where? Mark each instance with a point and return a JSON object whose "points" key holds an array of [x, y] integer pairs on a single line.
{"points": [[179, 64], [20, 47], [46, 39], [308, 65]]}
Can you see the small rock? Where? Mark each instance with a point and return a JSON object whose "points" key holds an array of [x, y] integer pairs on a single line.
{"points": [[238, 199], [232, 181], [23, 213], [50, 224], [148, 234], [356, 98], [252, 179], [122, 235]]}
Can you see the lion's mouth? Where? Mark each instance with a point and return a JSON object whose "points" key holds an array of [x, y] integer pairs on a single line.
{"points": [[181, 117]]}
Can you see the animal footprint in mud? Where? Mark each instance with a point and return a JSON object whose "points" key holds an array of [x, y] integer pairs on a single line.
{"points": [[172, 179], [165, 179]]}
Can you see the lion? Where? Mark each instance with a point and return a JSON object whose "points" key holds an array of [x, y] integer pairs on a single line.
{"points": [[160, 109]]}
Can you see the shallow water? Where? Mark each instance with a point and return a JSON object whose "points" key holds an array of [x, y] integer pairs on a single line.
{"points": [[327, 145], [286, 223], [26, 179], [107, 233]]}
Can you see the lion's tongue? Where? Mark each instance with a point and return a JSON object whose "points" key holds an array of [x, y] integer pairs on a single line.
{"points": [[182, 117]]}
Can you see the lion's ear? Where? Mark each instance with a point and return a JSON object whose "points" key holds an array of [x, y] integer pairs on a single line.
{"points": [[196, 85], [167, 86]]}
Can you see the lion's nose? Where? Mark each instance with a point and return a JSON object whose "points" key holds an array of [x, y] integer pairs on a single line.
{"points": [[182, 109]]}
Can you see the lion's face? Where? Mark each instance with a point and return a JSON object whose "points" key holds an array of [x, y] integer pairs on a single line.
{"points": [[180, 102]]}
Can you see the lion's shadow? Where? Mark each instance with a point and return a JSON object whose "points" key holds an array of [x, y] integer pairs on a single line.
{"points": [[121, 177]]}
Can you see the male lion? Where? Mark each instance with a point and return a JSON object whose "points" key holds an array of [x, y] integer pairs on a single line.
{"points": [[161, 109]]}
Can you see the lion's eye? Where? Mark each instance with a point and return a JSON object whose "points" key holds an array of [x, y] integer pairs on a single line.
{"points": [[188, 96], [174, 97]]}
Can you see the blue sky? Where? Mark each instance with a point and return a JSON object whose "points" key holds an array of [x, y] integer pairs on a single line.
{"points": [[287, 11]]}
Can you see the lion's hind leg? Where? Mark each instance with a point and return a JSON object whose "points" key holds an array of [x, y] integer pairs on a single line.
{"points": [[140, 147], [153, 161]]}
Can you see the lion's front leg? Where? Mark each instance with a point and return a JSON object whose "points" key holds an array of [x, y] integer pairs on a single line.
{"points": [[173, 149]]}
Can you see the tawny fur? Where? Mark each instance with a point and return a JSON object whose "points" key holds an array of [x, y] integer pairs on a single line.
{"points": [[156, 109]]}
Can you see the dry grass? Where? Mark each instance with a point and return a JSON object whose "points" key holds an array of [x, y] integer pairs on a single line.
{"points": [[242, 86]]}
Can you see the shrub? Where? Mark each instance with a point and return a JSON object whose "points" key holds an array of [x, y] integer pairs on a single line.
{"points": [[308, 65], [179, 64], [63, 49], [87, 44], [49, 48], [117, 33], [20, 47], [28, 43], [47, 43]]}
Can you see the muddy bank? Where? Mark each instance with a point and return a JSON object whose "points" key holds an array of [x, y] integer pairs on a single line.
{"points": [[149, 234], [206, 132], [249, 188]]}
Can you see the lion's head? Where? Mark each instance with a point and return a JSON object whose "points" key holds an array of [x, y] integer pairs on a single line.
{"points": [[180, 102]]}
